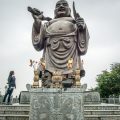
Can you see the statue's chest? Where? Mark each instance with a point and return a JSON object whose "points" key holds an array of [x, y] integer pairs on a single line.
{"points": [[61, 27]]}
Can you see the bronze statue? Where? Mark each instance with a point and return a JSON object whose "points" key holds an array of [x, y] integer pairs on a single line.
{"points": [[62, 38]]}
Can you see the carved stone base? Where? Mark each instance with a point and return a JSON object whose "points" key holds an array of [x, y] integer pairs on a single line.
{"points": [[57, 104]]}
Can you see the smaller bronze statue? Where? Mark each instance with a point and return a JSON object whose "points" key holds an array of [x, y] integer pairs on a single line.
{"points": [[34, 64], [57, 79], [70, 63]]}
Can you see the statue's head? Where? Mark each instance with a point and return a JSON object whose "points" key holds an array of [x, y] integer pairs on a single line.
{"points": [[62, 9]]}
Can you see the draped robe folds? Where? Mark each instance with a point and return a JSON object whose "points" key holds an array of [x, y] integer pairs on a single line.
{"points": [[61, 40]]}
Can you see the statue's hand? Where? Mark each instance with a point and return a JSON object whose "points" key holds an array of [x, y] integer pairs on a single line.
{"points": [[80, 23], [37, 16]]}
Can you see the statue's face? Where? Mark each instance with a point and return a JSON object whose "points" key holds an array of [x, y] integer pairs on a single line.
{"points": [[62, 9]]}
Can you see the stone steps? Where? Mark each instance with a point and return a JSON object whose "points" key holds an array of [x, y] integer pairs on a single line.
{"points": [[14, 118], [102, 107], [10, 115], [14, 112], [101, 117], [102, 112], [91, 112]]}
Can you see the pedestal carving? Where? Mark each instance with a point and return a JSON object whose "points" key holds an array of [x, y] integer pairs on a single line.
{"points": [[56, 104]]}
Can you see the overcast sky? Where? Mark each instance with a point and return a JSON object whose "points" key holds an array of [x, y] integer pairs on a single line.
{"points": [[101, 16]]}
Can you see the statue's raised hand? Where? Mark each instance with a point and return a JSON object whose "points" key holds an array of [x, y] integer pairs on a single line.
{"points": [[80, 22], [37, 15]]}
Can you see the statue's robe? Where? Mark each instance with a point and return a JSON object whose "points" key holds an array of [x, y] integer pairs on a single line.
{"points": [[61, 40]]}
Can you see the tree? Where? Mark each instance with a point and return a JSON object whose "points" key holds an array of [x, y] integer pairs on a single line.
{"points": [[109, 81]]}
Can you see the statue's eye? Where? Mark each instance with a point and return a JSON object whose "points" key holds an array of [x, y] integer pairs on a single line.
{"points": [[58, 5], [65, 4]]}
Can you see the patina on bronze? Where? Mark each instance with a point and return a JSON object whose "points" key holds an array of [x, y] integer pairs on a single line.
{"points": [[62, 39]]}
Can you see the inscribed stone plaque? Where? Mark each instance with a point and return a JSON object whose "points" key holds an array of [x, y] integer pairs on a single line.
{"points": [[56, 104]]}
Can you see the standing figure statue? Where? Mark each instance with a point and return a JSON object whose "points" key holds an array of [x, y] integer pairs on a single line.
{"points": [[62, 39]]}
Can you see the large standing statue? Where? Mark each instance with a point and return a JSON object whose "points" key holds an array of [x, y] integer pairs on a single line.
{"points": [[62, 39]]}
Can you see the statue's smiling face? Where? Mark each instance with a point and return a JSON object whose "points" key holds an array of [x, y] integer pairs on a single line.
{"points": [[62, 9]]}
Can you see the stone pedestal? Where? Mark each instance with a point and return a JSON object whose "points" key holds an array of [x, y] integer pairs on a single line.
{"points": [[24, 97], [57, 104]]}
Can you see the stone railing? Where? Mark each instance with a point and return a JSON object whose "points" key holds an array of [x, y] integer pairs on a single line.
{"points": [[110, 100]]}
